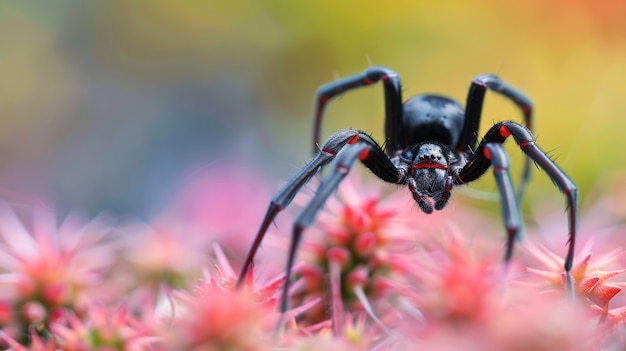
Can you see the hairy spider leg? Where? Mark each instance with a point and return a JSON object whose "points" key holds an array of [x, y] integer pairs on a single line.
{"points": [[478, 164], [377, 162], [393, 103], [473, 111]]}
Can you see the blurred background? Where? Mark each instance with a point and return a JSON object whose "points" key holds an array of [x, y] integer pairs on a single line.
{"points": [[118, 104]]}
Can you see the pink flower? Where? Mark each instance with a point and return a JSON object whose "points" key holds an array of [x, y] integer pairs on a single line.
{"points": [[216, 315], [358, 236], [50, 267], [463, 301], [453, 285], [591, 280], [215, 318], [160, 253], [102, 330]]}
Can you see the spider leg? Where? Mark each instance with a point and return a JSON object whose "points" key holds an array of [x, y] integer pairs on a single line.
{"points": [[373, 157], [393, 102], [478, 164], [279, 202], [510, 210], [473, 110], [378, 163]]}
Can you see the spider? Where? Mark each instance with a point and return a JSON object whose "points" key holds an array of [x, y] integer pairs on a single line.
{"points": [[431, 146]]}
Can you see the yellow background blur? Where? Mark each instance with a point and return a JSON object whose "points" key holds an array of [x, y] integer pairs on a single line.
{"points": [[111, 104]]}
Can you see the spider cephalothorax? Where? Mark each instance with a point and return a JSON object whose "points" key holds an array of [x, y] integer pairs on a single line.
{"points": [[431, 146]]}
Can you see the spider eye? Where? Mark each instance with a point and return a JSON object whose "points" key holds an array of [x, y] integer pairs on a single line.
{"points": [[431, 153]]}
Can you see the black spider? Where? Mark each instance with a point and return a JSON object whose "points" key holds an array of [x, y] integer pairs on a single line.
{"points": [[431, 145]]}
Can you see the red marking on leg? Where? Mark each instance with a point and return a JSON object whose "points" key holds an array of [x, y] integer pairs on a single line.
{"points": [[385, 78], [324, 99], [354, 139], [525, 143], [329, 151], [526, 109], [363, 155], [367, 81], [342, 167], [504, 131], [487, 153]]}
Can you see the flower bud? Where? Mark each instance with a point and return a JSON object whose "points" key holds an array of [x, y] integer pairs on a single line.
{"points": [[339, 255], [313, 277], [365, 244], [359, 276], [34, 312], [338, 235], [55, 294]]}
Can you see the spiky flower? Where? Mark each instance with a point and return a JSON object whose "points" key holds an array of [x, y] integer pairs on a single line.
{"points": [[102, 330], [215, 318], [455, 286], [461, 300], [49, 268], [350, 263], [216, 315], [591, 279], [168, 256]]}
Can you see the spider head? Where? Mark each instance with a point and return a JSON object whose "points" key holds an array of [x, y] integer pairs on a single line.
{"points": [[429, 165]]}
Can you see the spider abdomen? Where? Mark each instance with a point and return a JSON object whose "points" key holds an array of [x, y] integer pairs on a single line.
{"points": [[432, 118]]}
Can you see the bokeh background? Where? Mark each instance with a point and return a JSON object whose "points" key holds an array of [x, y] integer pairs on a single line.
{"points": [[118, 104]]}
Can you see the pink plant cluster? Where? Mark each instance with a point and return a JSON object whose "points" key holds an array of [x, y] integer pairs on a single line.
{"points": [[373, 273]]}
